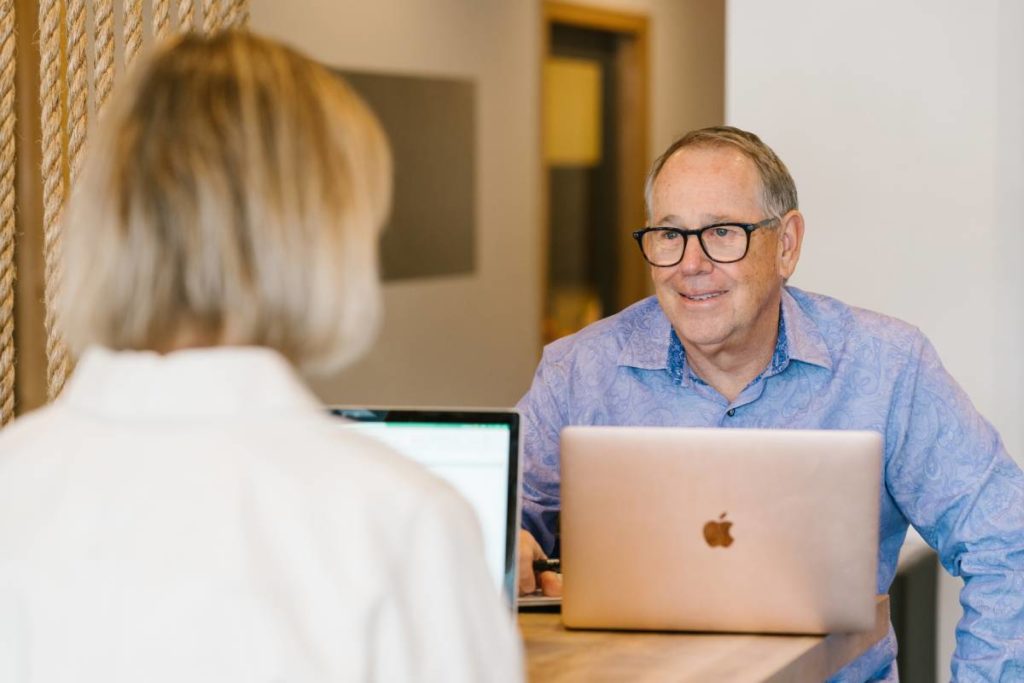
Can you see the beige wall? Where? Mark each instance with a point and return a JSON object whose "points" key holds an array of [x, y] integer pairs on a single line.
{"points": [[474, 340], [688, 65], [469, 340]]}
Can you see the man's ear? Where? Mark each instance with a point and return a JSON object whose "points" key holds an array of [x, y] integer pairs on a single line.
{"points": [[791, 238]]}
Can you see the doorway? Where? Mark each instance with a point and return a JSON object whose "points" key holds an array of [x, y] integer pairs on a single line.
{"points": [[595, 159]]}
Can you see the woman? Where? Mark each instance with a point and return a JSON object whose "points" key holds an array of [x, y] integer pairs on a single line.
{"points": [[185, 511]]}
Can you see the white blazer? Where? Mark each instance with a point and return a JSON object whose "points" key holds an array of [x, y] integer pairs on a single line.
{"points": [[197, 517]]}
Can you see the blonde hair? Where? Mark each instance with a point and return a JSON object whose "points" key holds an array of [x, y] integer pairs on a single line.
{"points": [[233, 195]]}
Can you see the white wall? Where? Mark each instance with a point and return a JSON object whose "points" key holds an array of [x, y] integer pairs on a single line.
{"points": [[901, 123], [468, 340]]}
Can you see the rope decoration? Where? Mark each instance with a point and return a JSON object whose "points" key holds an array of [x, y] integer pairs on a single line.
{"points": [[7, 226], [132, 30], [161, 19], [186, 16], [211, 17], [50, 95], [103, 45], [78, 88], [231, 14]]}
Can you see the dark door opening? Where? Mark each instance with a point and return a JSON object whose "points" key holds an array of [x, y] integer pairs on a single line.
{"points": [[595, 123]]}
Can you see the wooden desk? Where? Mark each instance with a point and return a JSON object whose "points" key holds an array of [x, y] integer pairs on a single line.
{"points": [[558, 655]]}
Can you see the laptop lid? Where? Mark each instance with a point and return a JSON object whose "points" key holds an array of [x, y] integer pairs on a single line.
{"points": [[720, 529], [477, 452]]}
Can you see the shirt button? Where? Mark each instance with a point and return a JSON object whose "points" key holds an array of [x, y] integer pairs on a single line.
{"points": [[730, 412]]}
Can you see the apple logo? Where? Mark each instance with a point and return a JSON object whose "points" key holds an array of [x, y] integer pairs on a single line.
{"points": [[717, 533]]}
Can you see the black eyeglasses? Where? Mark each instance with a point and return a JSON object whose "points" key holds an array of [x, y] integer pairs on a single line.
{"points": [[721, 242]]}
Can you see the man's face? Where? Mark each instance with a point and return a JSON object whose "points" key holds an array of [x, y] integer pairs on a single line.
{"points": [[714, 307]]}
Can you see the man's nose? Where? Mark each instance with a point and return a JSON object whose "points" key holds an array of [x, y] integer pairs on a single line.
{"points": [[695, 261]]}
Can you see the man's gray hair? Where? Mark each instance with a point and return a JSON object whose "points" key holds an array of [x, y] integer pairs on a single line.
{"points": [[778, 191]]}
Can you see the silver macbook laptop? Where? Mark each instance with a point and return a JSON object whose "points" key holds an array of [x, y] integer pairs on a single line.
{"points": [[770, 531], [477, 452]]}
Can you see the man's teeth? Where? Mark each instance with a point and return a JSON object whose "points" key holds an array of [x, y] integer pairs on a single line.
{"points": [[703, 297]]}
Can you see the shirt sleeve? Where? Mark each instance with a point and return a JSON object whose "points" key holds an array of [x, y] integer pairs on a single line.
{"points": [[954, 481], [445, 621], [543, 416]]}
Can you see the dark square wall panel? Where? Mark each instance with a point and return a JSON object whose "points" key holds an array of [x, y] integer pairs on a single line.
{"points": [[431, 125]]}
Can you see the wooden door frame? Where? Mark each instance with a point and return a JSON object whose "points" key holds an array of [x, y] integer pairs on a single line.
{"points": [[633, 122]]}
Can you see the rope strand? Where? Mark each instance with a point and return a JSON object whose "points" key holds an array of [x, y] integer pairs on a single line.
{"points": [[132, 30], [103, 45], [50, 95], [186, 16], [211, 17], [236, 14], [78, 90], [7, 226], [161, 19]]}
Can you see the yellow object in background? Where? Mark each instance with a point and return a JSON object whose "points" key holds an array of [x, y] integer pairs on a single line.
{"points": [[572, 112], [570, 309]]}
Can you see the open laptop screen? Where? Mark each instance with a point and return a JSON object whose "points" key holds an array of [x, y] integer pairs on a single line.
{"points": [[477, 452]]}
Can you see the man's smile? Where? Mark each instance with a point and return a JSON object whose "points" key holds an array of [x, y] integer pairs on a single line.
{"points": [[707, 295]]}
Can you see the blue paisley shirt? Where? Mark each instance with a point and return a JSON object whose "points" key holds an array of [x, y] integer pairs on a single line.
{"points": [[835, 367]]}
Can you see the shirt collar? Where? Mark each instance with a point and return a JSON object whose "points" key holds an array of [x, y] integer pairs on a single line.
{"points": [[805, 341], [648, 345], [653, 344], [218, 381]]}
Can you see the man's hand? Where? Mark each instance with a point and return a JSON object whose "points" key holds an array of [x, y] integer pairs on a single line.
{"points": [[529, 550]]}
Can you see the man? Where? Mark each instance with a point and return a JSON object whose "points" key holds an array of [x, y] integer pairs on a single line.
{"points": [[727, 343]]}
